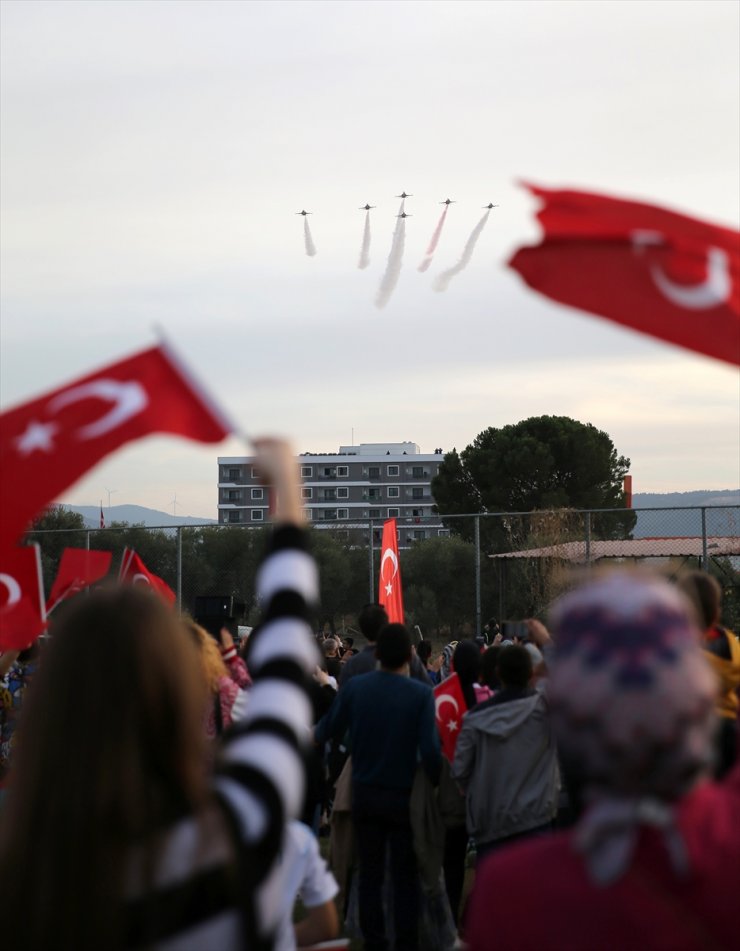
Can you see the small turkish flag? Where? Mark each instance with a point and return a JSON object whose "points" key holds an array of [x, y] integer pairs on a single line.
{"points": [[134, 571], [78, 569], [389, 583], [102, 517], [22, 613], [449, 708], [654, 270], [47, 444]]}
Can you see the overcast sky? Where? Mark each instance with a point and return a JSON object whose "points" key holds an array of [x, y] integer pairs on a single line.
{"points": [[153, 156]]}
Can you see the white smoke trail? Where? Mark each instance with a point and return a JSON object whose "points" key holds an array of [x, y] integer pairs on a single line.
{"points": [[310, 246], [395, 261], [443, 279], [365, 249], [433, 243]]}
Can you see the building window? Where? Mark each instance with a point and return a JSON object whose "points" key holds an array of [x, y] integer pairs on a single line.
{"points": [[306, 472], [306, 493], [234, 475], [327, 495], [419, 535], [417, 492], [393, 513], [342, 513], [329, 472], [417, 513], [234, 495], [309, 515], [258, 515], [417, 472], [328, 515], [342, 472], [258, 494], [342, 493], [373, 494], [255, 472], [392, 470], [374, 513], [373, 472], [393, 491], [443, 532], [234, 516]]}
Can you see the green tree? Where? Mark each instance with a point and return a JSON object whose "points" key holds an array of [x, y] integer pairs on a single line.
{"points": [[541, 463], [439, 583]]}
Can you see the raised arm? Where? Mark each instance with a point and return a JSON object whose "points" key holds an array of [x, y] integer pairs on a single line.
{"points": [[260, 778]]}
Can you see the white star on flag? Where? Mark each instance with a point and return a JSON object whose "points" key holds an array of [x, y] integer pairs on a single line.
{"points": [[389, 589], [452, 725], [37, 436]]}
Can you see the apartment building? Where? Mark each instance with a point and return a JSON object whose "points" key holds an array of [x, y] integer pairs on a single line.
{"points": [[372, 481]]}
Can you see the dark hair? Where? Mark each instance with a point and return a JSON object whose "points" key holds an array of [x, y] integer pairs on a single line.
{"points": [[514, 666], [466, 663], [393, 649], [424, 651], [371, 619], [489, 667], [704, 593], [111, 749]]}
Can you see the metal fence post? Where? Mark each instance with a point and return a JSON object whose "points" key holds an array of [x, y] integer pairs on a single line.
{"points": [[704, 554], [87, 540], [371, 552], [587, 519], [478, 627], [179, 568]]}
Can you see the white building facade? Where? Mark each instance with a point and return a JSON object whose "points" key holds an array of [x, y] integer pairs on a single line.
{"points": [[358, 484]]}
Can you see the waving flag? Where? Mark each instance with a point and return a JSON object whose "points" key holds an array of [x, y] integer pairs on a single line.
{"points": [[656, 271], [449, 709], [389, 584], [78, 569], [134, 571], [22, 612], [47, 444]]}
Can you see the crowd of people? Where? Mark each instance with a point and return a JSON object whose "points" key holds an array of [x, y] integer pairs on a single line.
{"points": [[165, 788]]}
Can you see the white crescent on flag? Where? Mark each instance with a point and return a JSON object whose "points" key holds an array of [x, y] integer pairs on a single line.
{"points": [[13, 589], [128, 399], [444, 698], [389, 553], [714, 290]]}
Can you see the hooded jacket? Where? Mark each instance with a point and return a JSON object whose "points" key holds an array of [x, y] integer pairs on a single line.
{"points": [[506, 762]]}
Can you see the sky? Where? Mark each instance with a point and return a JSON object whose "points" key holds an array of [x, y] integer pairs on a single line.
{"points": [[153, 157]]}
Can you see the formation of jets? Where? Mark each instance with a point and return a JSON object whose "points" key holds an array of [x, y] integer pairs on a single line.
{"points": [[367, 207]]}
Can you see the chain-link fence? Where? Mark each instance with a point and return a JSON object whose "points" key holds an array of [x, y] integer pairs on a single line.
{"points": [[458, 570]]}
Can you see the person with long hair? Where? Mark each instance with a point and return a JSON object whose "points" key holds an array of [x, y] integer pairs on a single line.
{"points": [[114, 835], [225, 674]]}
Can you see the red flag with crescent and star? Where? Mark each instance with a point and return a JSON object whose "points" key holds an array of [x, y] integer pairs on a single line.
{"points": [[449, 708], [22, 612], [78, 569], [656, 271], [389, 582], [134, 571], [47, 444]]}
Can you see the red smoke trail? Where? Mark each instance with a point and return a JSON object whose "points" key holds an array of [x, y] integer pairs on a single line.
{"points": [[434, 242]]}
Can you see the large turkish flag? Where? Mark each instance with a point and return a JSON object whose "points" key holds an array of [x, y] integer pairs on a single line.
{"points": [[389, 582], [47, 444], [656, 271]]}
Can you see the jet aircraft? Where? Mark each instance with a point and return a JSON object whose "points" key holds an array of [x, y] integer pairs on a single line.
{"points": [[404, 215], [489, 206], [366, 207], [404, 195], [448, 201], [304, 213]]}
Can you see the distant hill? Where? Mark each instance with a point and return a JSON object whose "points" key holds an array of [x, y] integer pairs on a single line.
{"points": [[135, 515], [678, 523]]}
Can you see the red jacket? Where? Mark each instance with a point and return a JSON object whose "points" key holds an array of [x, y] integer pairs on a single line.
{"points": [[537, 895]]}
